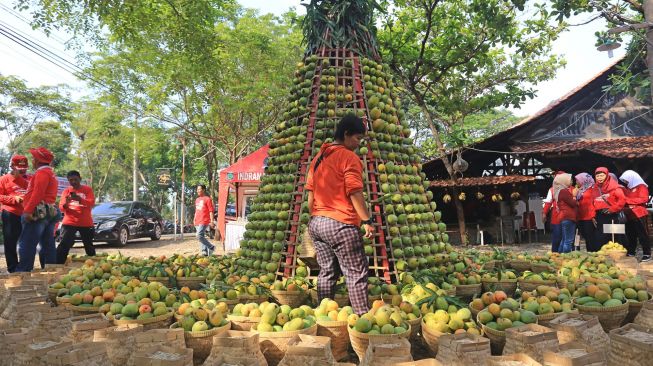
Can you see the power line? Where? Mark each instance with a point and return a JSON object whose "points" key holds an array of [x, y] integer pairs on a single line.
{"points": [[20, 17]]}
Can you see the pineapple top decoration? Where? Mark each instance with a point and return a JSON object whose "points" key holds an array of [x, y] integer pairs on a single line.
{"points": [[341, 75]]}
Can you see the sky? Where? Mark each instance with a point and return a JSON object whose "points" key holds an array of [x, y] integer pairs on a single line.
{"points": [[576, 45]]}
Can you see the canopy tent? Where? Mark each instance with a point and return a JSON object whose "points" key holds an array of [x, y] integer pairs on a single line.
{"points": [[243, 177]]}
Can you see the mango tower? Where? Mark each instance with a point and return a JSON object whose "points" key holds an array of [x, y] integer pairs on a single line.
{"points": [[341, 73]]}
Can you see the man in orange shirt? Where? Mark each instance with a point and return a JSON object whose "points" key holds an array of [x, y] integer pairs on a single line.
{"points": [[40, 213], [76, 203], [12, 188], [337, 206], [203, 219]]}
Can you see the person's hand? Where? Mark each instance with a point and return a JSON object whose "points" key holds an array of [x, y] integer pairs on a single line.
{"points": [[369, 231], [29, 217], [605, 196], [18, 199], [212, 225], [574, 192]]}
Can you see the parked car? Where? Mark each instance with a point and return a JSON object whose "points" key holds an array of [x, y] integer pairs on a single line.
{"points": [[118, 222]]}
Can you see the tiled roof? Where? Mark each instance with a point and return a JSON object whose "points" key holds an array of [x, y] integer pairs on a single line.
{"points": [[483, 181], [619, 148]]}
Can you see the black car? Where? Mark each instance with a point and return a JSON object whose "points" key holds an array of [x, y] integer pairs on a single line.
{"points": [[117, 222]]}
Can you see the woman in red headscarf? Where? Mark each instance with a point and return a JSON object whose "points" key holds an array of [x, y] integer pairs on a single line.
{"points": [[609, 201]]}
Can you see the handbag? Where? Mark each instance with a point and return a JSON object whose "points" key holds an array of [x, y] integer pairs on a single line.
{"points": [[621, 215], [45, 211]]}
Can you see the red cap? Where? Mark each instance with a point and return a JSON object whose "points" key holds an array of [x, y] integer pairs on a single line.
{"points": [[42, 155], [19, 162]]}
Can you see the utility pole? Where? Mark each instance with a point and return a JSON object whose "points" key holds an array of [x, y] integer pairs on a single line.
{"points": [[183, 184], [135, 165]]}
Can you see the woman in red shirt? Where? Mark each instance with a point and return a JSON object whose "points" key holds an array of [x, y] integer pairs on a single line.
{"points": [[637, 225], [609, 200], [567, 206], [586, 214]]}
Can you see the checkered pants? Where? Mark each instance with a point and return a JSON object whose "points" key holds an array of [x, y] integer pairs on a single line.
{"points": [[339, 250]]}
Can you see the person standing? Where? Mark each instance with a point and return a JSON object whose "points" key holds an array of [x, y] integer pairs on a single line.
{"points": [[550, 207], [586, 222], [609, 200], [203, 219], [40, 213], [566, 205], [337, 206], [12, 189], [76, 203], [637, 224]]}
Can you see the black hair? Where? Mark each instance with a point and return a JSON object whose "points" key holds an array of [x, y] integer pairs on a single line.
{"points": [[349, 125], [73, 173], [203, 186]]}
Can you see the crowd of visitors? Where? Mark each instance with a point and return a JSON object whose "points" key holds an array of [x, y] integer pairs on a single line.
{"points": [[30, 212], [594, 201]]}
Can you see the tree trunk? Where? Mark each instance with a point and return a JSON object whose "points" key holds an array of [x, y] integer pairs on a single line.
{"points": [[460, 213], [648, 16]]}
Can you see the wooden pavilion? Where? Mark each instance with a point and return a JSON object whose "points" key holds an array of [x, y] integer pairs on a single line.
{"points": [[579, 132]]}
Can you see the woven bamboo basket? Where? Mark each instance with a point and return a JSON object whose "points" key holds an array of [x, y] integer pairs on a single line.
{"points": [[581, 328], [520, 265], [193, 283], [157, 322], [562, 282], [610, 318], [528, 285], [497, 339], [647, 276], [432, 339], [61, 301], [463, 349], [360, 341], [517, 358], [628, 264], [371, 299], [52, 295], [242, 322], [532, 339], [294, 299], [468, 292], [541, 267], [337, 331], [507, 286], [544, 319], [583, 355], [275, 344], [202, 342], [615, 254], [631, 345], [258, 299], [415, 327], [634, 307], [82, 310], [342, 300], [645, 316], [474, 311]]}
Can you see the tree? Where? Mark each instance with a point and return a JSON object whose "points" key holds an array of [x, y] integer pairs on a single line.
{"points": [[457, 58], [22, 107], [636, 72], [51, 134]]}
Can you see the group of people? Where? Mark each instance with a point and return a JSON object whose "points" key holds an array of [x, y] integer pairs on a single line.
{"points": [[594, 201], [30, 213]]}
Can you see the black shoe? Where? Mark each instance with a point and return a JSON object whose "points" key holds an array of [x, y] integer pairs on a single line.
{"points": [[646, 258], [630, 255]]}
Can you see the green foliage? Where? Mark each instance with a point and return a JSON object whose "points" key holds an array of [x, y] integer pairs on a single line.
{"points": [[22, 107], [51, 134], [345, 23], [456, 59]]}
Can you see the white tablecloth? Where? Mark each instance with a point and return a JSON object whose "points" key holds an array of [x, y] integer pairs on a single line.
{"points": [[233, 235]]}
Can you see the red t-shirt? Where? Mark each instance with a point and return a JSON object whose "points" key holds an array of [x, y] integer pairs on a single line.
{"points": [[338, 176], [203, 210], [78, 213], [567, 206], [10, 187], [41, 188]]}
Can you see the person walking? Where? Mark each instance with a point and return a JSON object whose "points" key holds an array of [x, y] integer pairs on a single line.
{"points": [[337, 206], [636, 213], [40, 213], [12, 189], [585, 219], [203, 219], [566, 205], [554, 223], [76, 203], [609, 201]]}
